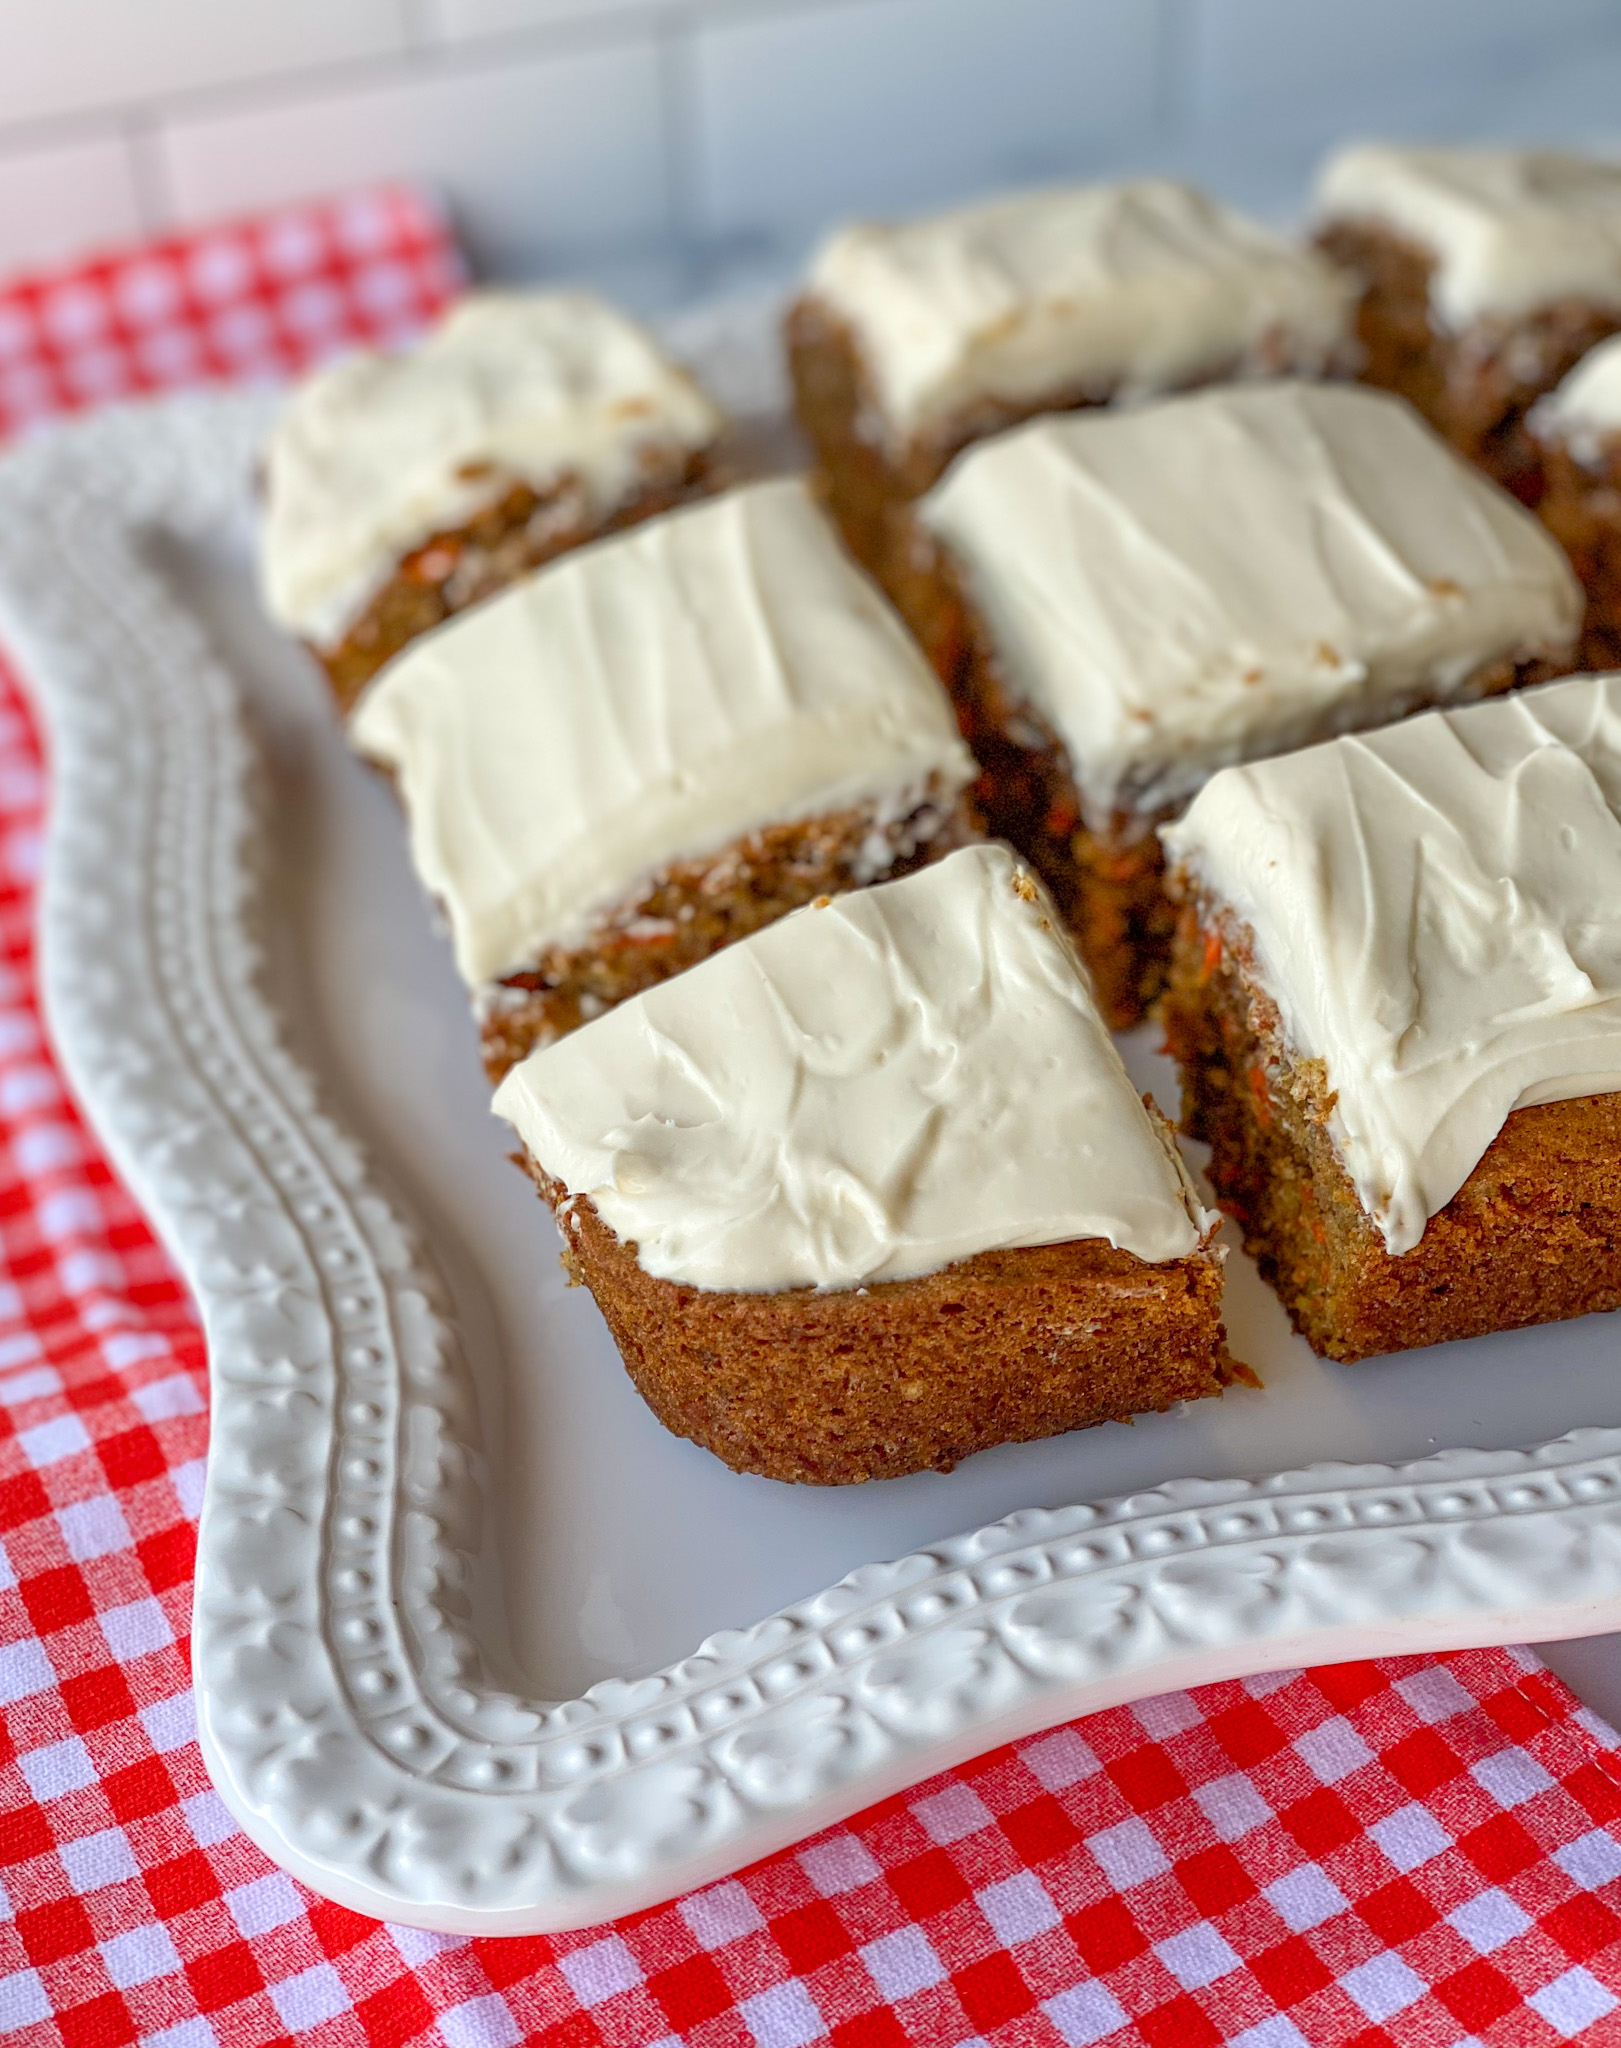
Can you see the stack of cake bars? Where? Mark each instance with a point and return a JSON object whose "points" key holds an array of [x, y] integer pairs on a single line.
{"points": [[800, 841]]}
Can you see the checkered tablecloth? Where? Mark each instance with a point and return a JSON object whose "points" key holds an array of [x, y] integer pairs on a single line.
{"points": [[1423, 1851], [252, 299]]}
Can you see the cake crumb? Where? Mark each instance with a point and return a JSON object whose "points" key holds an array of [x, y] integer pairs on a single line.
{"points": [[1024, 887]]}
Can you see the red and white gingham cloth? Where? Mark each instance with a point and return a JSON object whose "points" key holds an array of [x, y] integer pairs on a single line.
{"points": [[1420, 1851], [252, 299]]}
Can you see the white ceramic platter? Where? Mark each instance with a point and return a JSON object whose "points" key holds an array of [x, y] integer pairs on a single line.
{"points": [[452, 1574]]}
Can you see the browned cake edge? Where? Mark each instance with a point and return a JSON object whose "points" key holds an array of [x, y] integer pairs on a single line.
{"points": [[832, 1388], [1581, 507], [517, 531], [1475, 386], [693, 908], [1532, 1236], [868, 478], [1109, 885]]}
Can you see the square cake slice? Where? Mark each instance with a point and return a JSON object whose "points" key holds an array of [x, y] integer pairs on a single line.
{"points": [[655, 746], [1396, 1005], [401, 488], [1485, 273], [911, 340], [871, 1190], [1124, 602]]}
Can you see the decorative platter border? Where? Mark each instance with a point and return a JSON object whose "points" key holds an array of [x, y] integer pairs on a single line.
{"points": [[343, 1707]]}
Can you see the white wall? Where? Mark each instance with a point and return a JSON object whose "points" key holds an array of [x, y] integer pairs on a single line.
{"points": [[667, 146]]}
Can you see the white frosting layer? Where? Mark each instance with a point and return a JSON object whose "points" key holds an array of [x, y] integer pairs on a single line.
{"points": [[868, 1090], [1510, 229], [650, 697], [1237, 572], [1585, 410], [1437, 913], [378, 452], [1123, 289]]}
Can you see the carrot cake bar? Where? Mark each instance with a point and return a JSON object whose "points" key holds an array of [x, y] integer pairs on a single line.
{"points": [[1123, 602], [1397, 1008], [1577, 434], [656, 745], [911, 340], [1486, 274], [399, 489], [871, 1190]]}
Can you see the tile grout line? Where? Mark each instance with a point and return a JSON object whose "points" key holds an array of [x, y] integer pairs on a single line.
{"points": [[678, 108], [155, 203]]}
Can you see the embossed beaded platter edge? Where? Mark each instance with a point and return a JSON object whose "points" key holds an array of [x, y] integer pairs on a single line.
{"points": [[344, 1710]]}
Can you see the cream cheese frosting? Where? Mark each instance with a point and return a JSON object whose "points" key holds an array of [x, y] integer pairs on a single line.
{"points": [[1511, 230], [649, 697], [1437, 915], [1584, 410], [377, 453], [1235, 572], [870, 1089], [1127, 289]]}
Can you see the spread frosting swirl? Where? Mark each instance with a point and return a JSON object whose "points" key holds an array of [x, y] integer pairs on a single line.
{"points": [[1238, 571], [870, 1089], [1436, 910], [1510, 230], [1120, 289], [378, 452], [648, 698]]}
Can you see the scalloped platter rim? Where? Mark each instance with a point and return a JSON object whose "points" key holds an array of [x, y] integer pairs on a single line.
{"points": [[347, 1707]]}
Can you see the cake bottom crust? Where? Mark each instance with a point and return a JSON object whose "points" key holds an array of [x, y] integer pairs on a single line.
{"points": [[693, 908], [1475, 386], [828, 1389], [518, 531], [1532, 1236]]}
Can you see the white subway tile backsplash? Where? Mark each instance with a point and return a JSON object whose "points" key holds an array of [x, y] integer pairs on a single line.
{"points": [[543, 161], [66, 56], [896, 104], [62, 202], [1250, 58], [659, 144]]}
